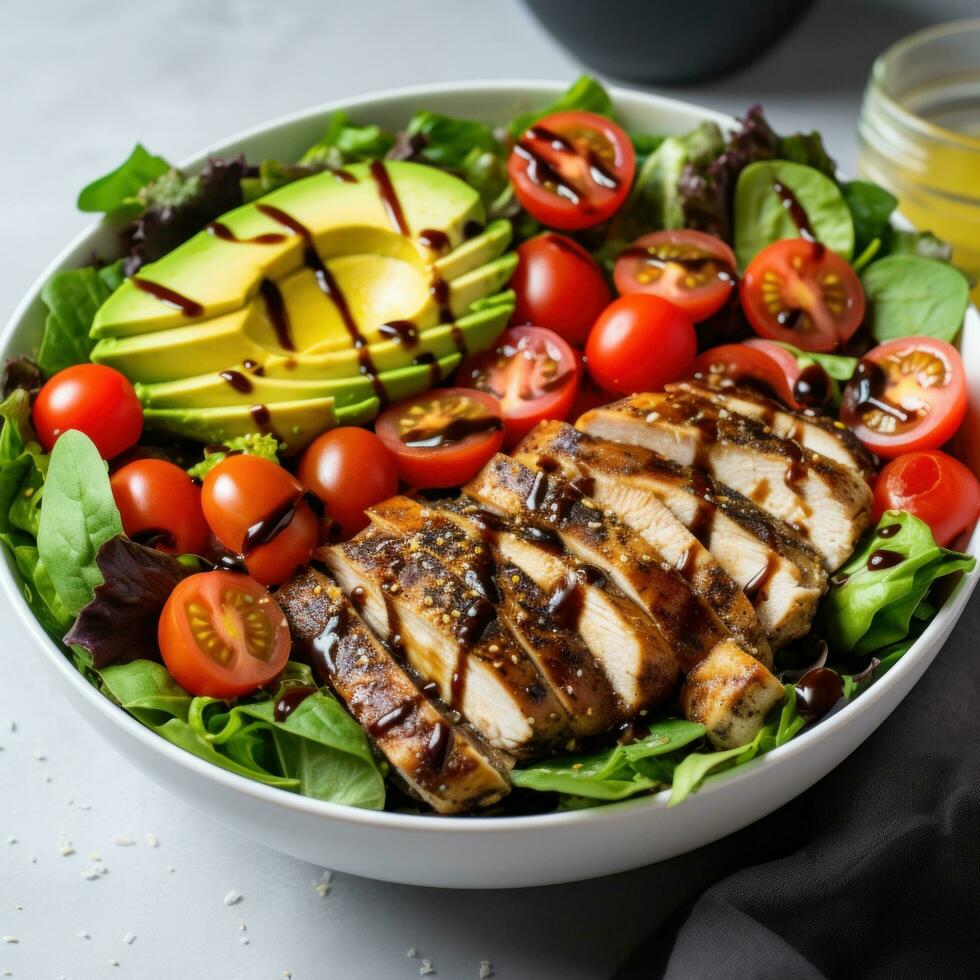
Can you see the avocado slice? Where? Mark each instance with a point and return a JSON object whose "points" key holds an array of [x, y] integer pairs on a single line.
{"points": [[340, 288]]}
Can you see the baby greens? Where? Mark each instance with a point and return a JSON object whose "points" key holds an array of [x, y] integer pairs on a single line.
{"points": [[874, 603], [251, 444], [762, 215], [911, 296], [79, 515], [119, 189]]}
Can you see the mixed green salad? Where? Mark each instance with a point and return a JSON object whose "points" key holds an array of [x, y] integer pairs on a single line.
{"points": [[215, 405]]}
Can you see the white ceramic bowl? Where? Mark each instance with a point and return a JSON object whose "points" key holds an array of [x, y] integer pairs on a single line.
{"points": [[479, 852]]}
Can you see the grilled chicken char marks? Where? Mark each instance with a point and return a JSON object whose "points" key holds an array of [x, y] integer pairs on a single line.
{"points": [[689, 626], [819, 433], [440, 761], [771, 562], [542, 625], [606, 468], [639, 663], [830, 503], [453, 638]]}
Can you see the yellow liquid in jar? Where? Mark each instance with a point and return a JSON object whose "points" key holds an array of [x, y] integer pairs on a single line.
{"points": [[937, 177]]}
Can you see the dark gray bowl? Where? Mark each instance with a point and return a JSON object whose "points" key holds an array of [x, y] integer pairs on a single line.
{"points": [[664, 40]]}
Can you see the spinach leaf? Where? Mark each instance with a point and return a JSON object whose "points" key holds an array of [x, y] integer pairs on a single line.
{"points": [[911, 296], [585, 93], [838, 366], [613, 774], [808, 149], [72, 298], [871, 207], [118, 190], [78, 516], [874, 608], [761, 217], [922, 243]]}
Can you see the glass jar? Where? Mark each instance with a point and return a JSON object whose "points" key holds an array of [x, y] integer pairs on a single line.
{"points": [[919, 134]]}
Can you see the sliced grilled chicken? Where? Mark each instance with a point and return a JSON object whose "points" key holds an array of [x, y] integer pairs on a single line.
{"points": [[730, 693], [452, 638], [817, 432], [538, 624], [688, 624], [830, 503], [602, 470], [631, 651], [440, 761], [771, 562]]}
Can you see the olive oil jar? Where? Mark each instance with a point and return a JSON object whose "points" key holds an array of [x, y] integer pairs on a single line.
{"points": [[919, 134]]}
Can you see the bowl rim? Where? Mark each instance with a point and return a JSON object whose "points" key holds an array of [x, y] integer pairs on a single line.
{"points": [[430, 823]]}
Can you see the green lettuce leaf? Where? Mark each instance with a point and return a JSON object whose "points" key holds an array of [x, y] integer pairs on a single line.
{"points": [[873, 608], [585, 93], [119, 189], [72, 297], [78, 517], [318, 751], [346, 142], [616, 773], [251, 444]]}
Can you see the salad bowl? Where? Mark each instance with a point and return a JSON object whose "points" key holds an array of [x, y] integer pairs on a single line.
{"points": [[480, 852]]}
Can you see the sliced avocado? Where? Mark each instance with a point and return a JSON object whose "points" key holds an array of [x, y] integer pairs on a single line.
{"points": [[294, 424], [204, 348], [318, 301], [212, 390]]}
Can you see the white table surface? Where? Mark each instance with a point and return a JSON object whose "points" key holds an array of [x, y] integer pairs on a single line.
{"points": [[80, 81]]}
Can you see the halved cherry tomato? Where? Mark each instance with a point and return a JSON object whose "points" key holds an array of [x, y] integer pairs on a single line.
{"points": [[572, 169], [691, 269], [932, 486], [258, 510], [906, 394], [222, 635], [801, 293], [349, 469], [532, 372], [93, 399], [442, 437], [558, 285], [742, 364], [641, 343], [160, 506]]}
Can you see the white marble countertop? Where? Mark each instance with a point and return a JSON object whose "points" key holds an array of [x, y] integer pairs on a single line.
{"points": [[81, 81]]}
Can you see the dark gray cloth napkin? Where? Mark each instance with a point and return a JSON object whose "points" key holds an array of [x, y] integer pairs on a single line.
{"points": [[874, 872]]}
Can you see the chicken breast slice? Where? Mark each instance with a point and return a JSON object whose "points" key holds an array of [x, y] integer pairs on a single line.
{"points": [[828, 502], [603, 470], [535, 622], [768, 560], [690, 626], [823, 435], [639, 663], [452, 639], [439, 760]]}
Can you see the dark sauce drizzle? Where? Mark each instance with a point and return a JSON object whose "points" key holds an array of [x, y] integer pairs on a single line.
{"points": [[170, 297], [237, 380], [883, 558], [796, 211], [889, 531], [290, 701], [278, 316], [453, 431], [222, 231], [389, 198]]}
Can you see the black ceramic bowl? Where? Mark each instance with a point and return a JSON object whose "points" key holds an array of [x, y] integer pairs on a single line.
{"points": [[664, 40]]}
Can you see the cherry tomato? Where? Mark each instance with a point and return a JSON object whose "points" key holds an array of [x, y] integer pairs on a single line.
{"points": [[160, 506], [558, 285], [641, 343], [222, 635], [93, 399], [349, 469], [532, 372], [572, 169], [258, 510], [906, 394], [742, 364], [693, 270], [932, 486], [442, 437], [803, 294]]}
